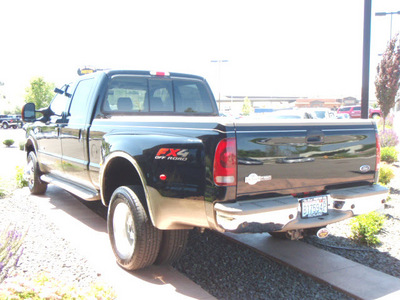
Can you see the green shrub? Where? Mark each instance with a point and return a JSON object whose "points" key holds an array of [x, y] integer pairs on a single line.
{"points": [[19, 177], [364, 228], [8, 142], [386, 174], [22, 146], [389, 154]]}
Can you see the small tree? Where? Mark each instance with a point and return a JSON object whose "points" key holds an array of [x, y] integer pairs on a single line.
{"points": [[246, 108], [388, 78], [39, 92]]}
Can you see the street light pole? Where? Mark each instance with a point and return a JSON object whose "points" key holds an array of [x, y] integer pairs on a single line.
{"points": [[382, 14], [219, 61], [366, 60]]}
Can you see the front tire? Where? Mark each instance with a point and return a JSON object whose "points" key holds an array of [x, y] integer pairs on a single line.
{"points": [[134, 239], [32, 175]]}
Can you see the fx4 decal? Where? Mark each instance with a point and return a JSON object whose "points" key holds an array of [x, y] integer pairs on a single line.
{"points": [[172, 154]]}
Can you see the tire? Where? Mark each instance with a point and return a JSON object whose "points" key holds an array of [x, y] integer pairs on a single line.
{"points": [[173, 245], [32, 175], [375, 116], [5, 125], [134, 239]]}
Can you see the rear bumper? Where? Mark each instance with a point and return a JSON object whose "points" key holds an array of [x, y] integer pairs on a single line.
{"points": [[284, 213]]}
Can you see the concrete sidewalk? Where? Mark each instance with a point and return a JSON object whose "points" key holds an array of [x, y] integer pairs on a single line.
{"points": [[88, 233], [343, 274]]}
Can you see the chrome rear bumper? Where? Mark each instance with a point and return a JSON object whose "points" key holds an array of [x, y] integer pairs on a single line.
{"points": [[284, 213]]}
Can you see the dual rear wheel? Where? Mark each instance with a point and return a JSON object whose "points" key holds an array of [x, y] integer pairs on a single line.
{"points": [[135, 241]]}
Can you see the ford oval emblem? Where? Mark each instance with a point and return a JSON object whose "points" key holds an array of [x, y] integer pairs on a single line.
{"points": [[365, 168]]}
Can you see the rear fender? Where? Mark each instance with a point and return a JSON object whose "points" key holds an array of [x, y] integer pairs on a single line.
{"points": [[171, 170]]}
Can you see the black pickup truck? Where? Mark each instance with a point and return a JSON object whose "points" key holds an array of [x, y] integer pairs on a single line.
{"points": [[152, 147], [7, 121]]}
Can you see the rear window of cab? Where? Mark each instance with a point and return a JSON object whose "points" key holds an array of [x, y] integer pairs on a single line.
{"points": [[129, 94]]}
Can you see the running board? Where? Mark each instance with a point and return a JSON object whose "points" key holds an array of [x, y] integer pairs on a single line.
{"points": [[79, 191]]}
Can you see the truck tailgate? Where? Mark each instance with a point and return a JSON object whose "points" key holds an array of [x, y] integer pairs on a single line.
{"points": [[287, 157]]}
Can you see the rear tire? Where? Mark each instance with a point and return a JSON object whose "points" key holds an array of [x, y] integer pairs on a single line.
{"points": [[173, 245], [134, 239], [32, 175]]}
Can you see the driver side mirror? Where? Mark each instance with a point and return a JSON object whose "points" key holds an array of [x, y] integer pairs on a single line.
{"points": [[29, 112]]}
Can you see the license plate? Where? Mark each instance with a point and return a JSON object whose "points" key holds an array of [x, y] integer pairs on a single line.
{"points": [[314, 206]]}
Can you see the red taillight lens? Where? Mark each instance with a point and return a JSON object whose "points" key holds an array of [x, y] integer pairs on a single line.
{"points": [[225, 166]]}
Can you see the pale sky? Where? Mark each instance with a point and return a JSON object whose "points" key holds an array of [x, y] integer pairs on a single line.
{"points": [[303, 48]]}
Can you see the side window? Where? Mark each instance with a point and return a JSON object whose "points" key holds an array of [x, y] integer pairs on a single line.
{"points": [[161, 97], [78, 108], [191, 97], [59, 103], [357, 108]]}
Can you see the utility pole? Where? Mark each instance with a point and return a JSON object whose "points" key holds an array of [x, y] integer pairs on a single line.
{"points": [[366, 60]]}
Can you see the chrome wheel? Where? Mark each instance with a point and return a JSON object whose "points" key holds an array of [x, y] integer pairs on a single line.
{"points": [[32, 176], [134, 239], [29, 173], [124, 232]]}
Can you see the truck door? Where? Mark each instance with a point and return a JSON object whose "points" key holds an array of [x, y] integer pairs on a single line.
{"points": [[73, 135], [47, 135]]}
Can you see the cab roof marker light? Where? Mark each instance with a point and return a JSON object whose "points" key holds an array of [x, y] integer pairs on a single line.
{"points": [[157, 73]]}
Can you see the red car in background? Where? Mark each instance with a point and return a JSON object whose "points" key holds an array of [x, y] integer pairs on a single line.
{"points": [[355, 111]]}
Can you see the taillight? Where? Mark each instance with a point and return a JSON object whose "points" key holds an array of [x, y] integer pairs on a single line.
{"points": [[378, 157], [225, 163]]}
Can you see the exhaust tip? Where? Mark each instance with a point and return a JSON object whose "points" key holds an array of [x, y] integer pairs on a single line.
{"points": [[322, 233]]}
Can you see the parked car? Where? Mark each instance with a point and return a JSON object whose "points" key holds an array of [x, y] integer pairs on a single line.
{"points": [[13, 121], [355, 111], [321, 113], [342, 116]]}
